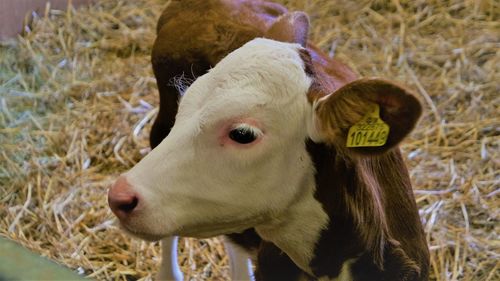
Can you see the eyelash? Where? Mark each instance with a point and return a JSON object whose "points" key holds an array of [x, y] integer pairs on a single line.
{"points": [[244, 134]]}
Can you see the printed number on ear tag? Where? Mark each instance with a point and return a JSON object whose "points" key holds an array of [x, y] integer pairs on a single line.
{"points": [[370, 131]]}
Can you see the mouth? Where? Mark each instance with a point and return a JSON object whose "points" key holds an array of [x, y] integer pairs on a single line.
{"points": [[207, 230], [199, 231], [150, 237]]}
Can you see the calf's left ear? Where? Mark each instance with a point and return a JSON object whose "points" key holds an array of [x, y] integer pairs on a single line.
{"points": [[366, 116]]}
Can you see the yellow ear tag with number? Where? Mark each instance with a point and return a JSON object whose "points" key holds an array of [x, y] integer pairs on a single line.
{"points": [[371, 131]]}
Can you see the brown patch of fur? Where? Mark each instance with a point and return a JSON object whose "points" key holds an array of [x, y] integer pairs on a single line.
{"points": [[194, 35], [374, 219], [291, 27], [358, 191]]}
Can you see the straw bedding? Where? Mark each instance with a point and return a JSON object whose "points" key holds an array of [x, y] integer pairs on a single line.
{"points": [[77, 98]]}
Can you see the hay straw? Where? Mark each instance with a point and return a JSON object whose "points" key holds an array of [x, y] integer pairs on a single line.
{"points": [[77, 98]]}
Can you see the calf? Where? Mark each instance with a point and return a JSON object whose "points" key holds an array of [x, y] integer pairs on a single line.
{"points": [[279, 147]]}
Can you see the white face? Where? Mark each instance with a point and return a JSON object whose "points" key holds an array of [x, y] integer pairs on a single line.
{"points": [[236, 155]]}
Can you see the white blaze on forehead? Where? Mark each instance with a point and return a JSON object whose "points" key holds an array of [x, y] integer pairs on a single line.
{"points": [[261, 73], [273, 62]]}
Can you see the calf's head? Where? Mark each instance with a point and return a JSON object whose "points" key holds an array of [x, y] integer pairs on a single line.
{"points": [[236, 156]]}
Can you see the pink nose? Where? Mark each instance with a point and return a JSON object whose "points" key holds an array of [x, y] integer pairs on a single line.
{"points": [[122, 199]]}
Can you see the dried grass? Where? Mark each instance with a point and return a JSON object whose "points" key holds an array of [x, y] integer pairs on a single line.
{"points": [[77, 97]]}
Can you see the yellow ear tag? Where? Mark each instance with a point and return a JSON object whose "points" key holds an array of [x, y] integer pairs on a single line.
{"points": [[371, 131]]}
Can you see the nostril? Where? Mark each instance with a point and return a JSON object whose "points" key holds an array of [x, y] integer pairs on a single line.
{"points": [[122, 199], [128, 207]]}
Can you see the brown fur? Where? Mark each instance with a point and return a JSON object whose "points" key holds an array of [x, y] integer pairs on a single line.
{"points": [[373, 217], [366, 192], [192, 36]]}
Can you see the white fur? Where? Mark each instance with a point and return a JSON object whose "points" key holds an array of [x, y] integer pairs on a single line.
{"points": [[313, 126], [345, 272], [191, 185]]}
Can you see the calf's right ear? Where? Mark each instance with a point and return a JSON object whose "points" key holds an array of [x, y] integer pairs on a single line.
{"points": [[290, 27], [366, 116]]}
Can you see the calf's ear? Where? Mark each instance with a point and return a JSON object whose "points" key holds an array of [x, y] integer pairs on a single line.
{"points": [[290, 27], [366, 116]]}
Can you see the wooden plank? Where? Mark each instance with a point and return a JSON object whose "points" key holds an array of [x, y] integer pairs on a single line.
{"points": [[13, 13]]}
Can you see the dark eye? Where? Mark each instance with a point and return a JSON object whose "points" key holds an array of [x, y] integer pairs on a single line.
{"points": [[242, 135]]}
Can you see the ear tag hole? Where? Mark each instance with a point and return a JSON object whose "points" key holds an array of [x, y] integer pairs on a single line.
{"points": [[370, 131]]}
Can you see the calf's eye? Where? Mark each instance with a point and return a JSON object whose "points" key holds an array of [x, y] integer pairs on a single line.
{"points": [[242, 135]]}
